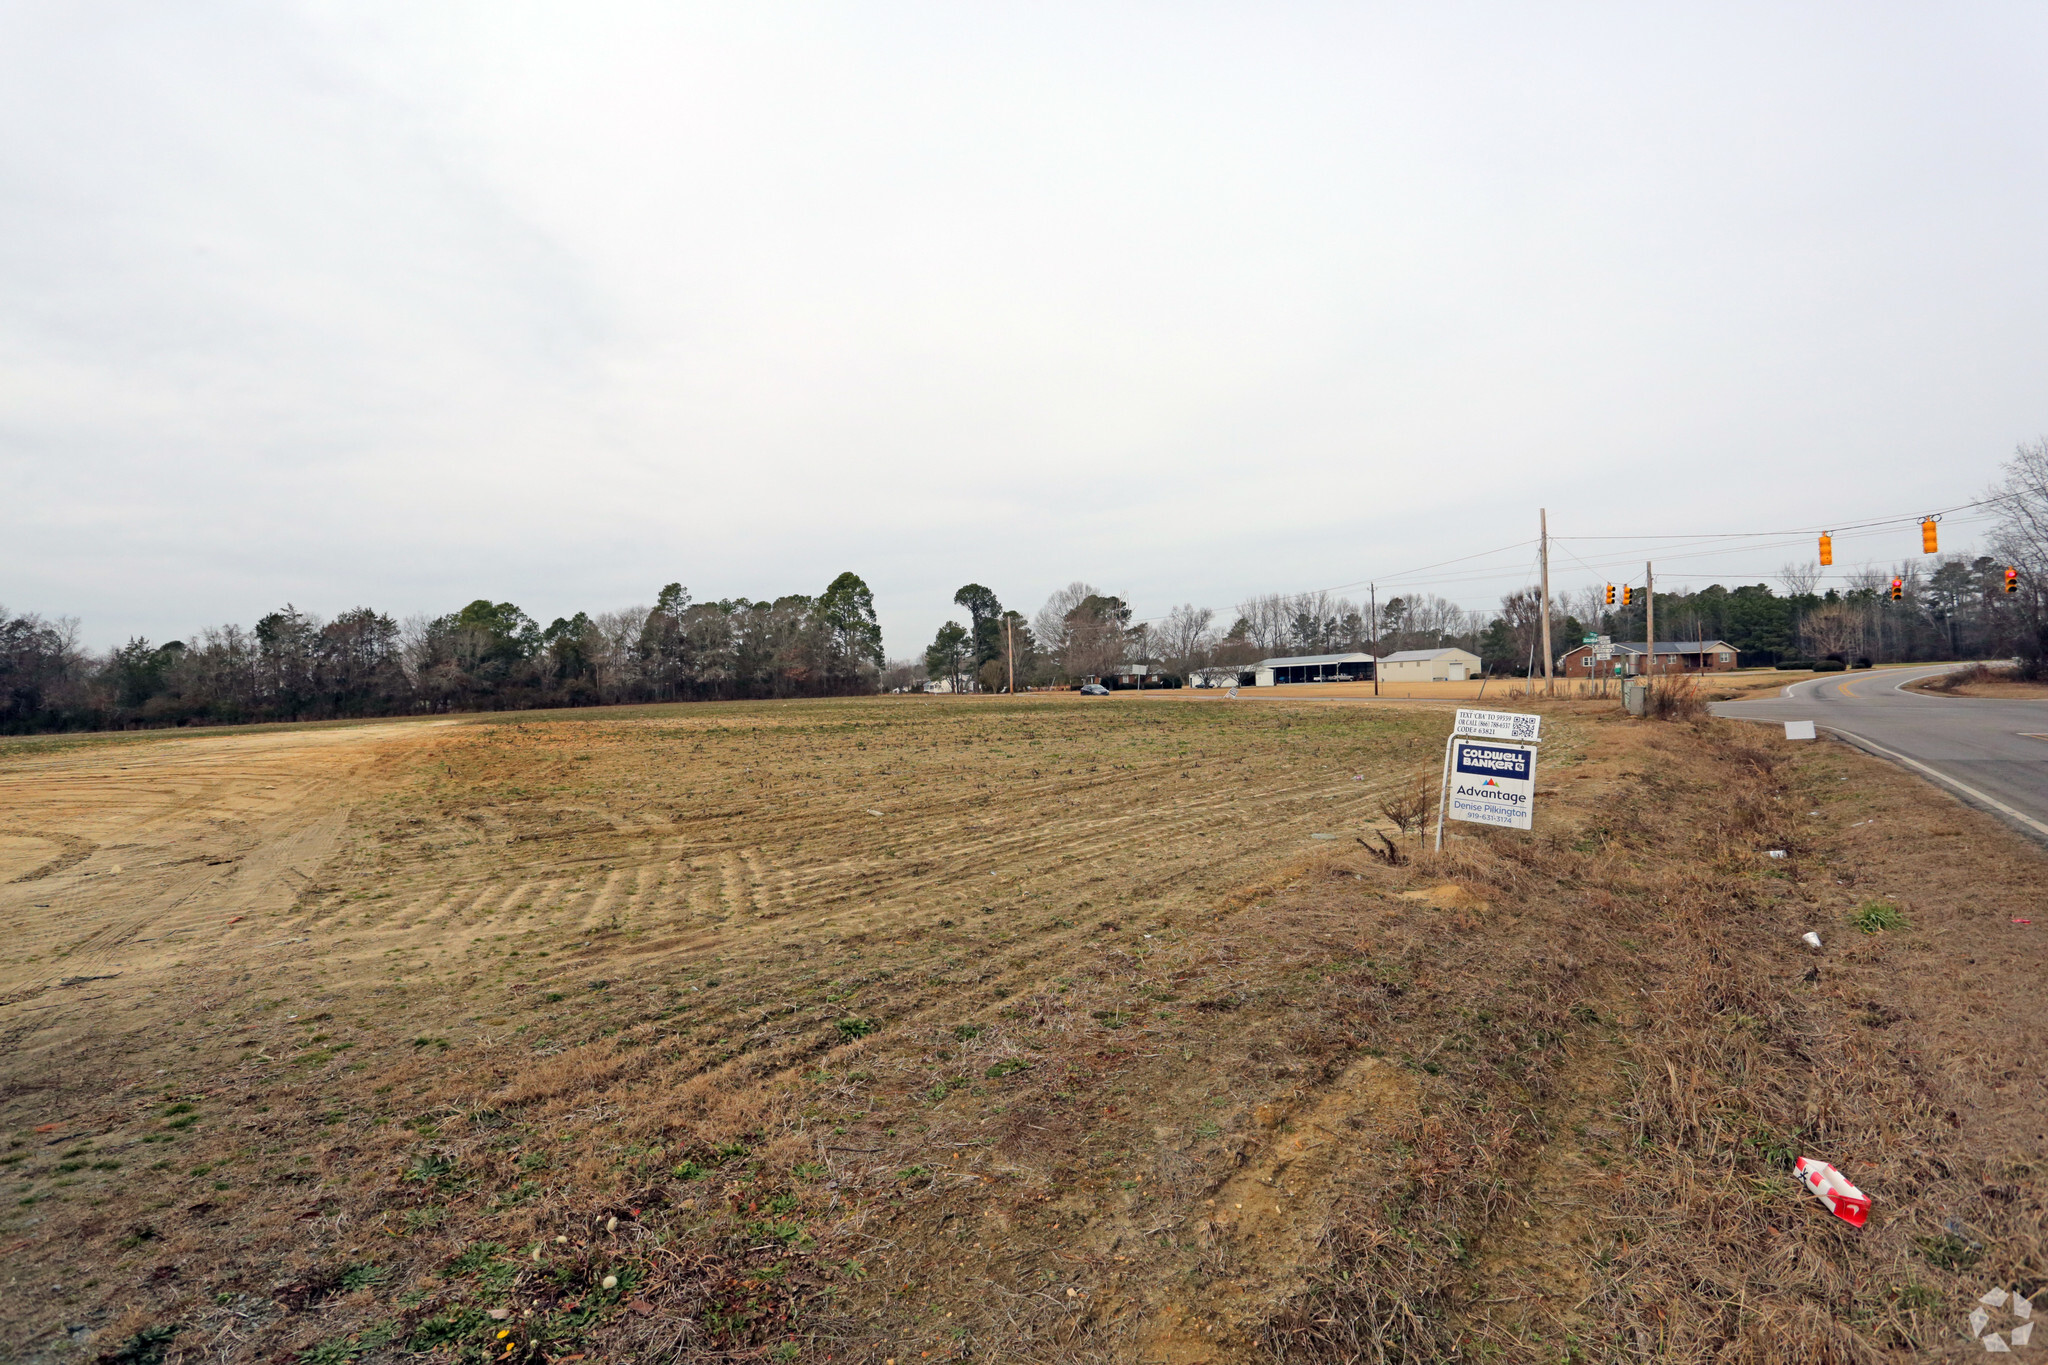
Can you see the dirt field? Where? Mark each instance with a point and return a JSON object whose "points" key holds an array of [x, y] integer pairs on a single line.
{"points": [[1042, 1029]]}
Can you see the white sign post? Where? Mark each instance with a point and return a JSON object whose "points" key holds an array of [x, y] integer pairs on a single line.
{"points": [[1489, 770]]}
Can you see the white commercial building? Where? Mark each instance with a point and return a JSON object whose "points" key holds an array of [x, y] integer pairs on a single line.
{"points": [[1429, 665], [1305, 668]]}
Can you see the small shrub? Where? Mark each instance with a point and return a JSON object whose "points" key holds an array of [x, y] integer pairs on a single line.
{"points": [[1675, 696], [851, 1028]]}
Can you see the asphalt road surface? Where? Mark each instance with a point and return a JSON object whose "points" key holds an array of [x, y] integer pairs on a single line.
{"points": [[1994, 754]]}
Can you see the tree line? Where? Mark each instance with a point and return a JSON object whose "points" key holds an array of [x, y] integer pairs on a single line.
{"points": [[293, 665], [489, 656], [1954, 608]]}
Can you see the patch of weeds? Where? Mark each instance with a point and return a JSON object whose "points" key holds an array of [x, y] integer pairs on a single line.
{"points": [[1948, 1252], [186, 1122], [534, 1161], [177, 1109], [438, 1044], [851, 1028], [690, 1170], [106, 1165], [333, 1351], [433, 1166], [426, 1217], [475, 1257], [363, 1276], [726, 1151], [1208, 1128], [1111, 1019], [787, 1231], [553, 997], [964, 1032], [808, 1170], [448, 1328], [146, 1347], [1009, 1067], [1874, 917], [785, 1203]]}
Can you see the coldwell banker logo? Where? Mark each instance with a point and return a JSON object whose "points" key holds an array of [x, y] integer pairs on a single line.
{"points": [[1490, 764], [1493, 784]]}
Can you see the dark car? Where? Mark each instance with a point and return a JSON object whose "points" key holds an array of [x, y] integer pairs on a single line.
{"points": [[1094, 690]]}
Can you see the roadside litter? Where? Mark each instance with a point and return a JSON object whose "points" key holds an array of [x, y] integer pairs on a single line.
{"points": [[1777, 853], [1810, 939], [2023, 921], [1799, 729], [1832, 1188], [1997, 1297]]}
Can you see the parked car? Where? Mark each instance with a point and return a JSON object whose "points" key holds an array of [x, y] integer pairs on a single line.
{"points": [[1094, 690]]}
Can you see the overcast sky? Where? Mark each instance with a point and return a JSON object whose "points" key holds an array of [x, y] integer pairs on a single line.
{"points": [[404, 305]]}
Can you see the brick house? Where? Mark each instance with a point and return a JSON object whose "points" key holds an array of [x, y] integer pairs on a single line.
{"points": [[1673, 656]]}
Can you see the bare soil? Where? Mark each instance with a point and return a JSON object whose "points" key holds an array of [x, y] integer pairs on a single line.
{"points": [[1035, 1029]]}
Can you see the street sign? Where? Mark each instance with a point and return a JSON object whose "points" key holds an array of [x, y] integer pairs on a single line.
{"points": [[1589, 639], [1493, 784], [1497, 725], [1603, 652]]}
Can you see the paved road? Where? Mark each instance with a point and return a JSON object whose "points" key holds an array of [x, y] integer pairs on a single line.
{"points": [[1994, 754]]}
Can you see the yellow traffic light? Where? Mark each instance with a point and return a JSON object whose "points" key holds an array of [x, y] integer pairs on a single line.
{"points": [[1898, 589], [1610, 594], [1827, 550], [1927, 538], [1628, 597], [2012, 580]]}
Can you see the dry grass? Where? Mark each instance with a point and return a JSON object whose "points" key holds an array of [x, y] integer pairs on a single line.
{"points": [[2001, 681], [1180, 1084], [1676, 696]]}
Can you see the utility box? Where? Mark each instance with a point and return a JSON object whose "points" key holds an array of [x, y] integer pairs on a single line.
{"points": [[1635, 696]]}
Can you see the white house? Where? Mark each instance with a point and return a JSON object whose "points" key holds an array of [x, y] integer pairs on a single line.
{"points": [[1429, 665]]}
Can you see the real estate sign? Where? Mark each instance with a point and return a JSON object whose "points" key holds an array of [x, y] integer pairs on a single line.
{"points": [[1493, 783]]}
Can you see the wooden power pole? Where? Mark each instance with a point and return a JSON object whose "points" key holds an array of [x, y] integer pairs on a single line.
{"points": [[1543, 526], [1374, 589], [1010, 649], [1649, 615]]}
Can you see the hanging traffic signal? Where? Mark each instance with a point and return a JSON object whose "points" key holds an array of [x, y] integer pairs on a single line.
{"points": [[1827, 550], [1610, 594], [1927, 540], [2012, 582], [1628, 596], [1898, 589]]}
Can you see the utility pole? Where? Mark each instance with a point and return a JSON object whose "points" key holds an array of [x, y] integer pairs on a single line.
{"points": [[1543, 527], [1374, 589], [1650, 615], [1010, 649]]}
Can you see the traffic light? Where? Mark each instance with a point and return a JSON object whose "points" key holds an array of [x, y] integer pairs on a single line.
{"points": [[1827, 550], [1898, 589], [1628, 596], [1927, 539], [2012, 583], [1610, 594]]}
